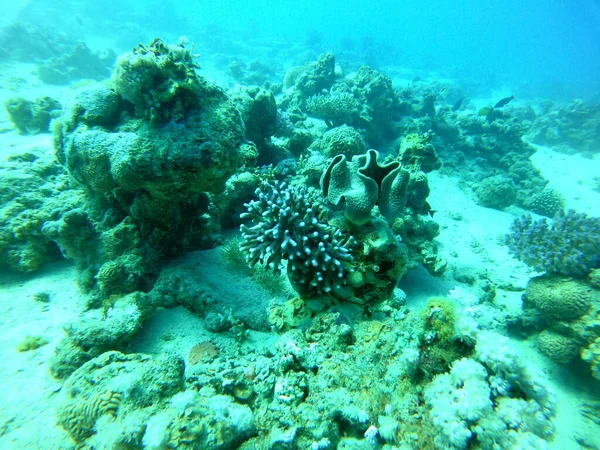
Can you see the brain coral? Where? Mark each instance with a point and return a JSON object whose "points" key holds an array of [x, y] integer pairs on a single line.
{"points": [[557, 347], [559, 298]]}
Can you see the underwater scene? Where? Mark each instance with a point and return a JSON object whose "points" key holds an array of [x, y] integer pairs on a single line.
{"points": [[278, 225]]}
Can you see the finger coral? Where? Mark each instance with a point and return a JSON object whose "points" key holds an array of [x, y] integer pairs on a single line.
{"points": [[283, 225]]}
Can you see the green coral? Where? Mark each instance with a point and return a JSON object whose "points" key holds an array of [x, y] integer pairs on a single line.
{"points": [[160, 80], [547, 203], [359, 185], [343, 140], [32, 117]]}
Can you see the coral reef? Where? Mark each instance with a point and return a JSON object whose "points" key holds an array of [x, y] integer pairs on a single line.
{"points": [[568, 245], [568, 127], [154, 180]]}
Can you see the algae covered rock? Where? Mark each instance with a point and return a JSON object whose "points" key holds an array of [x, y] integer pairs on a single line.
{"points": [[317, 76], [159, 80], [34, 191], [134, 386], [99, 332], [32, 117], [591, 355], [418, 153], [74, 63], [259, 111]]}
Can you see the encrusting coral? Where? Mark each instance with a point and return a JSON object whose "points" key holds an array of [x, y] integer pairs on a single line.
{"points": [[159, 80]]}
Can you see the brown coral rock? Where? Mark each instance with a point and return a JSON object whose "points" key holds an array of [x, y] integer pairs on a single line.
{"points": [[557, 347], [559, 298], [202, 352]]}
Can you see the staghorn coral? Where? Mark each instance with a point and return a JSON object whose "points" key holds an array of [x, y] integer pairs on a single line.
{"points": [[284, 226], [569, 245]]}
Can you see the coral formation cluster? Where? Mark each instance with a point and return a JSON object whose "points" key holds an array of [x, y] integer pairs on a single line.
{"points": [[569, 245], [284, 226], [31, 117]]}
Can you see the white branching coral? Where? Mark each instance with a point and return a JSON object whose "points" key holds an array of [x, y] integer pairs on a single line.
{"points": [[282, 226]]}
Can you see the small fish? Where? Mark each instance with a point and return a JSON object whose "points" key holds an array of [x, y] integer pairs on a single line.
{"points": [[458, 104], [486, 110], [505, 101]]}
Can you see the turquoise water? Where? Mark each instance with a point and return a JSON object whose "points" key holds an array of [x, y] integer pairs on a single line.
{"points": [[283, 225]]}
